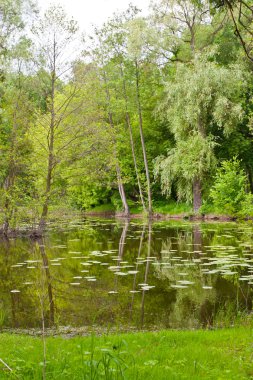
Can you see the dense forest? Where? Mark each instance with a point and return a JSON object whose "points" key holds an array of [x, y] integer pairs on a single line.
{"points": [[144, 112]]}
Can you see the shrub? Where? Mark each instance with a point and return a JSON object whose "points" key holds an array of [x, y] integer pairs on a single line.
{"points": [[229, 192]]}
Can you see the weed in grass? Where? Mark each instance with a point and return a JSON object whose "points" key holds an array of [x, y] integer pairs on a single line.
{"points": [[2, 318]]}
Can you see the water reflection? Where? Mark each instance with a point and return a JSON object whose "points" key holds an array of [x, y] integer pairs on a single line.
{"points": [[46, 282], [121, 273], [145, 287]]}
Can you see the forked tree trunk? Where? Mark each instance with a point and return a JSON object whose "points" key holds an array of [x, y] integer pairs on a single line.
{"points": [[197, 196]]}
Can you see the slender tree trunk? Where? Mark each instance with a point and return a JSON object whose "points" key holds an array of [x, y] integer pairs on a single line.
{"points": [[122, 191], [128, 122], [137, 76], [48, 189], [51, 139], [197, 196], [118, 171]]}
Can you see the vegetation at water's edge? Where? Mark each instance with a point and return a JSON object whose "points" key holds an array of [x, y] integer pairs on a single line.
{"points": [[147, 110], [220, 354]]}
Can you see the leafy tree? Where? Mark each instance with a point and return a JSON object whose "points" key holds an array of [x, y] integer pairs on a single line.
{"points": [[201, 96], [16, 148], [54, 33]]}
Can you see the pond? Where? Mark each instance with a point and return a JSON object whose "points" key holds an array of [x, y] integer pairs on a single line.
{"points": [[121, 274]]}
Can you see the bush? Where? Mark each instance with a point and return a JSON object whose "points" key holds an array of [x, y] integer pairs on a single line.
{"points": [[87, 195], [229, 192]]}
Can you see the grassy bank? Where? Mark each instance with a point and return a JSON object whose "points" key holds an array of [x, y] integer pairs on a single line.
{"points": [[169, 207], [221, 354]]}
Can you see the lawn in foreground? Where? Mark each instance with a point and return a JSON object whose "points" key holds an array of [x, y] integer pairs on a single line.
{"points": [[220, 354]]}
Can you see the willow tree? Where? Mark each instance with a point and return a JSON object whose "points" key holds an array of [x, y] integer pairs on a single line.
{"points": [[201, 98]]}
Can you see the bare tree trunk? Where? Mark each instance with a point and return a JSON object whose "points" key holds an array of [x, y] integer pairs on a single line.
{"points": [[197, 196], [137, 76], [128, 121]]}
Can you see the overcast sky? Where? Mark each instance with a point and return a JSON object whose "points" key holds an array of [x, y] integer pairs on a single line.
{"points": [[93, 12]]}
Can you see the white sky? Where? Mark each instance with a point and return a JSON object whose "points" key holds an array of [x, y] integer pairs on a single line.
{"points": [[93, 12]]}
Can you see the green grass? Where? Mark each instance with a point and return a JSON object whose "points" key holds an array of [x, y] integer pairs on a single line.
{"points": [[220, 354], [164, 207], [172, 207]]}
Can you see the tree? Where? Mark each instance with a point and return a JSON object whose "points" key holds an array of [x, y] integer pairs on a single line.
{"points": [[201, 97], [12, 24], [241, 15], [16, 147], [136, 52], [54, 34], [16, 108], [117, 41]]}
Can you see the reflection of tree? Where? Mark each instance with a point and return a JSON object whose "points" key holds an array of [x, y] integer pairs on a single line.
{"points": [[146, 272], [45, 268], [197, 238], [136, 269], [122, 242]]}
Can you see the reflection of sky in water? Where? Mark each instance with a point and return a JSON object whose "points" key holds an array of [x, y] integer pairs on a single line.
{"points": [[110, 273]]}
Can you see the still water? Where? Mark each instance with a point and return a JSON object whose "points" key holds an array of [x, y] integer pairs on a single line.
{"points": [[109, 273]]}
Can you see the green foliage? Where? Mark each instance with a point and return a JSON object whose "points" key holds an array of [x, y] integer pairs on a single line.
{"points": [[88, 196], [190, 158], [229, 192]]}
